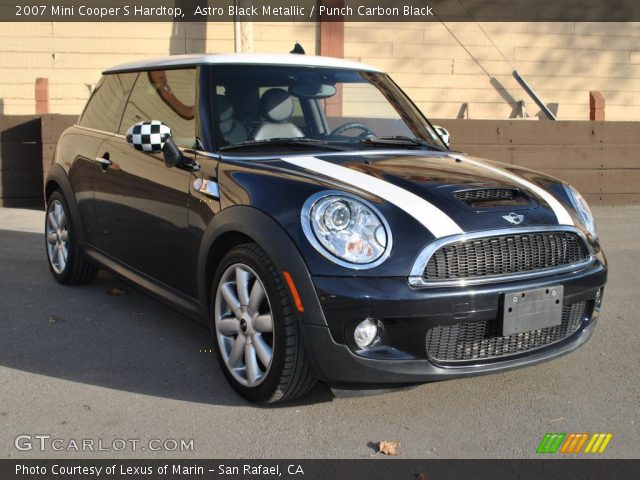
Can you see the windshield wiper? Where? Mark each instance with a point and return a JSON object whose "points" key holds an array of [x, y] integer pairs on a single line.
{"points": [[401, 141], [285, 142]]}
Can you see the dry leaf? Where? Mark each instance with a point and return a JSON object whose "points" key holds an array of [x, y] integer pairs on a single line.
{"points": [[388, 448], [86, 407], [421, 476], [115, 291]]}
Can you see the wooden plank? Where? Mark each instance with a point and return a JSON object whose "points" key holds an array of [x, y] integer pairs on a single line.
{"points": [[19, 129], [613, 199], [53, 125], [622, 156], [23, 202], [585, 181], [20, 183], [621, 133], [542, 157], [20, 156], [476, 132], [621, 181], [499, 153]]}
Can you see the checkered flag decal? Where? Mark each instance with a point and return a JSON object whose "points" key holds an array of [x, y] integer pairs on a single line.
{"points": [[148, 136]]}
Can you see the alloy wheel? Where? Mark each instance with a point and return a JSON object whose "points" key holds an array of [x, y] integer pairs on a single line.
{"points": [[244, 324], [57, 237]]}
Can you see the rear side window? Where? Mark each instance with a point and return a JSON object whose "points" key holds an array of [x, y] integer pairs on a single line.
{"points": [[104, 108], [168, 96]]}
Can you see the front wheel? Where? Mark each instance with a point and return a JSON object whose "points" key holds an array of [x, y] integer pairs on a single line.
{"points": [[258, 342]]}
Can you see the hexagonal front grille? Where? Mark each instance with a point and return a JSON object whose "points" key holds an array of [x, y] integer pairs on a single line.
{"points": [[477, 341], [505, 255]]}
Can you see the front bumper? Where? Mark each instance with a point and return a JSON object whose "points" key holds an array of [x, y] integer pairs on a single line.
{"points": [[407, 314]]}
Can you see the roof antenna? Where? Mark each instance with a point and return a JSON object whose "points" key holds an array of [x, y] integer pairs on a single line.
{"points": [[297, 48]]}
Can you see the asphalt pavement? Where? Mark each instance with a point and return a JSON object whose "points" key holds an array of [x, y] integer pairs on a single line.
{"points": [[79, 364]]}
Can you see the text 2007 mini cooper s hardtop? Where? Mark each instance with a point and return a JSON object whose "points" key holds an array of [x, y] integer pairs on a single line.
{"points": [[306, 210]]}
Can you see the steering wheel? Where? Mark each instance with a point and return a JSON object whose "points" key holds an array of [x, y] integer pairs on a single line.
{"points": [[366, 131]]}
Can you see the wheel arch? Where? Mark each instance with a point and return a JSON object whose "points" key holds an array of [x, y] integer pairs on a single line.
{"points": [[57, 179], [241, 224]]}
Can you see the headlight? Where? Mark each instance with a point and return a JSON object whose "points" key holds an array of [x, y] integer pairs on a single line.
{"points": [[347, 230], [581, 206]]}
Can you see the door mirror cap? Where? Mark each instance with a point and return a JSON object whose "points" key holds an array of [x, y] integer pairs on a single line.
{"points": [[148, 137], [444, 134]]}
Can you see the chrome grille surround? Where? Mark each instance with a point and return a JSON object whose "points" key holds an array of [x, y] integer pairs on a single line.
{"points": [[416, 279]]}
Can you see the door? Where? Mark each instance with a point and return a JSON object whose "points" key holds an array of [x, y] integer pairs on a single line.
{"points": [[142, 205], [99, 121]]}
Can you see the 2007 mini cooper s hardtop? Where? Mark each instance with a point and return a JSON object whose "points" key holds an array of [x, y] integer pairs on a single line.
{"points": [[306, 210]]}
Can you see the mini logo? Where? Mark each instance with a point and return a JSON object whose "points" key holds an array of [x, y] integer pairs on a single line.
{"points": [[514, 218], [574, 443]]}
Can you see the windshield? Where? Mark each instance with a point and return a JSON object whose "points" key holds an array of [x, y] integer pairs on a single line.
{"points": [[305, 107]]}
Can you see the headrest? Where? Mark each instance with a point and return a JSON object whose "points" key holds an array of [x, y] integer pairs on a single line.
{"points": [[224, 108], [276, 105]]}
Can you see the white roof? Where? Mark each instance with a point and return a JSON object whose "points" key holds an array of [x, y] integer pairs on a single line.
{"points": [[240, 59]]}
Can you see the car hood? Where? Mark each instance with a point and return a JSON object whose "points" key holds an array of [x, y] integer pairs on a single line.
{"points": [[427, 186]]}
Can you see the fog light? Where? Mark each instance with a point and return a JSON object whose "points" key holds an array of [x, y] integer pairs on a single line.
{"points": [[366, 332]]}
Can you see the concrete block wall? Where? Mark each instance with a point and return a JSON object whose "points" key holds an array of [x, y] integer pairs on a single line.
{"points": [[443, 65], [72, 55]]}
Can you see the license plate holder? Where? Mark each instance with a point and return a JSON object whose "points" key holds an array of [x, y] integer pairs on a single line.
{"points": [[529, 310]]}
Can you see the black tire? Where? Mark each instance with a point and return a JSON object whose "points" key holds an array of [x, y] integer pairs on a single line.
{"points": [[290, 374], [78, 269]]}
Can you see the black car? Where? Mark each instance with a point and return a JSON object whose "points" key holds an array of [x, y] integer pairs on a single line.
{"points": [[306, 210]]}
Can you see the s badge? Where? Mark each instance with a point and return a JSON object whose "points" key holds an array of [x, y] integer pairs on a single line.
{"points": [[514, 218]]}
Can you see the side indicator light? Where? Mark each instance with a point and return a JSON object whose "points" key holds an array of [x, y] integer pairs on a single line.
{"points": [[293, 290]]}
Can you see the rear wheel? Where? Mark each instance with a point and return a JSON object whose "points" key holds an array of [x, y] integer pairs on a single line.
{"points": [[67, 263], [258, 342]]}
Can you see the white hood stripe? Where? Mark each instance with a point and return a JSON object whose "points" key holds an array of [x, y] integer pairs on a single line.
{"points": [[434, 219], [561, 213]]}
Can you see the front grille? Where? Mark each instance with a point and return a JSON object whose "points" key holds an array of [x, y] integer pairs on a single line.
{"points": [[476, 341], [505, 255], [486, 194]]}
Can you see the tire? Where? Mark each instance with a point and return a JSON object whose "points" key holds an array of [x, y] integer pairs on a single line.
{"points": [[67, 263], [240, 319]]}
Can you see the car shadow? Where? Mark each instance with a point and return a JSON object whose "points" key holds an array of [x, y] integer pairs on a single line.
{"points": [[106, 333]]}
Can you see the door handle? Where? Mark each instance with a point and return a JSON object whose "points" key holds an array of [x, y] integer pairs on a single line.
{"points": [[104, 161]]}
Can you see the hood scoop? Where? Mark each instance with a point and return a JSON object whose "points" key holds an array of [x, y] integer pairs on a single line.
{"points": [[492, 197]]}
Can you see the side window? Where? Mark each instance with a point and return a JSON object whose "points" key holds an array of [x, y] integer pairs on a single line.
{"points": [[105, 105], [168, 96]]}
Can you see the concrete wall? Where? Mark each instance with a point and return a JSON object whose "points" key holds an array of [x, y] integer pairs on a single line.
{"points": [[442, 65], [72, 55]]}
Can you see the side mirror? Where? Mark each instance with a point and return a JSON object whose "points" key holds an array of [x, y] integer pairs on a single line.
{"points": [[444, 134], [172, 154], [155, 137]]}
